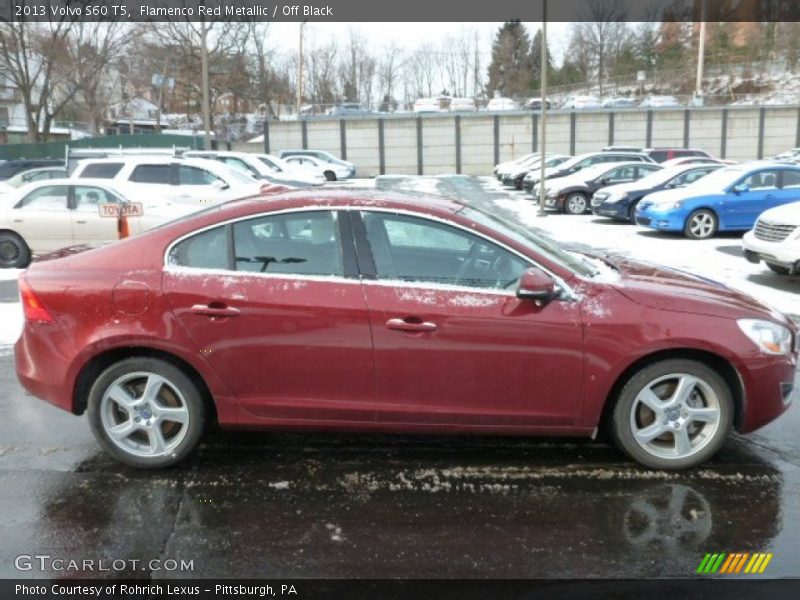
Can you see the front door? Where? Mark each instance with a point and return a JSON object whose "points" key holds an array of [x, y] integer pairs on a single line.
{"points": [[453, 343], [42, 218]]}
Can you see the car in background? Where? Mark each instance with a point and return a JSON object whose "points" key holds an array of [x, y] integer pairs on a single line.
{"points": [[196, 182], [501, 168], [12, 167], [314, 166], [323, 156], [472, 321], [427, 105], [536, 104], [581, 102], [499, 103], [571, 194], [730, 199], [30, 176], [695, 160], [775, 239], [349, 109], [261, 166], [514, 176], [619, 102], [462, 105], [619, 201], [662, 154], [582, 161], [45, 216], [790, 155], [660, 102], [622, 148]]}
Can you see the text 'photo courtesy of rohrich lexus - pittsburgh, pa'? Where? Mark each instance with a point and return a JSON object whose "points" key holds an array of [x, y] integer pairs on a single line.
{"points": [[321, 310]]}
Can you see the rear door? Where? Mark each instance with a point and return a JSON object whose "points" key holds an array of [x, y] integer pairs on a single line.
{"points": [[87, 223]]}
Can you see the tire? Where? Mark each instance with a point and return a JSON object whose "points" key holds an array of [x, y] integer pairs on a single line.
{"points": [[137, 441], [702, 224], [330, 176], [652, 420], [14, 252], [779, 269], [576, 203], [632, 213]]}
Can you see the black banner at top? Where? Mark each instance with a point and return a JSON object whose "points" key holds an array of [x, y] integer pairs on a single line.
{"points": [[407, 10]]}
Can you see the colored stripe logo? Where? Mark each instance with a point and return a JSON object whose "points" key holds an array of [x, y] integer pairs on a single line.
{"points": [[734, 563]]}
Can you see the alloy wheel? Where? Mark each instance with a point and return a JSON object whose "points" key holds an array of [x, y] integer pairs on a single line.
{"points": [[701, 225], [576, 204]]}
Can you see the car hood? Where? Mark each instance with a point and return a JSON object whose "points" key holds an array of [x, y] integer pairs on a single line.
{"points": [[622, 188], [571, 180], [670, 289], [671, 196], [788, 214]]}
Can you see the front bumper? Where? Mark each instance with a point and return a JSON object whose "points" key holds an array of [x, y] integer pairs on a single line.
{"points": [[615, 210], [771, 384], [660, 220], [785, 253]]}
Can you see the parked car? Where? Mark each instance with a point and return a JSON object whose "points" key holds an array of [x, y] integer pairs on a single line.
{"points": [[10, 168], [427, 105], [580, 162], [571, 193], [791, 155], [619, 102], [501, 168], [349, 109], [695, 160], [462, 105], [536, 104], [31, 175], [581, 102], [323, 156], [662, 354], [619, 201], [730, 199], [499, 103], [775, 239], [193, 181], [662, 154], [314, 166], [49, 215], [514, 176], [262, 166], [622, 149], [660, 102]]}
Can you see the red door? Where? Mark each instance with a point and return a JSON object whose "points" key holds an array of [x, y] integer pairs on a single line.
{"points": [[456, 346], [288, 330]]}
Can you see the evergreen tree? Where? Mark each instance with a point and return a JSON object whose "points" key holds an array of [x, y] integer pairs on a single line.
{"points": [[510, 71], [536, 62]]}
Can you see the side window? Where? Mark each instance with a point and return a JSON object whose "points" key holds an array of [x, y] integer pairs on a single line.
{"points": [[790, 179], [206, 250], [693, 176], [659, 155], [621, 174], [420, 250], [643, 170], [239, 165], [196, 176], [763, 180], [89, 198], [101, 170], [49, 197], [304, 243], [152, 174]]}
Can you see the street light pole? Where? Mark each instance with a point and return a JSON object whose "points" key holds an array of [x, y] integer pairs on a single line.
{"points": [[543, 135]]}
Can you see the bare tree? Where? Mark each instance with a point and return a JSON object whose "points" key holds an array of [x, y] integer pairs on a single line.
{"points": [[601, 33], [421, 70], [390, 65], [321, 73], [357, 69]]}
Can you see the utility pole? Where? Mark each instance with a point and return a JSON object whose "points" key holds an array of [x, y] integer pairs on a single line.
{"points": [[543, 134], [300, 71], [701, 54], [204, 69], [162, 81]]}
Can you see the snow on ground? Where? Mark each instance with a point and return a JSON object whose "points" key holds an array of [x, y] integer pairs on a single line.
{"points": [[9, 274], [10, 324], [719, 258]]}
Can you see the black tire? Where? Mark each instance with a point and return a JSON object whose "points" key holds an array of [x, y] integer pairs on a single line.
{"points": [[702, 224], [330, 176], [576, 203], [14, 252], [709, 436], [779, 269], [632, 213], [186, 436]]}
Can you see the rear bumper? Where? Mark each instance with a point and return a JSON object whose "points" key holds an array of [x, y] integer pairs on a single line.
{"points": [[41, 367]]}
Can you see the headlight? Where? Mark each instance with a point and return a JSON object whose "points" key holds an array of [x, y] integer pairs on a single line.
{"points": [[677, 204], [770, 337]]}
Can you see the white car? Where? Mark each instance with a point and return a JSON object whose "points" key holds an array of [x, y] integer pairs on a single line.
{"points": [[775, 239], [30, 176], [261, 166], [581, 103], [311, 164], [501, 168], [49, 215], [660, 102], [193, 181], [500, 103]]}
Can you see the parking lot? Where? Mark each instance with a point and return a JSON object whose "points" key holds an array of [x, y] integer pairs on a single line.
{"points": [[347, 505]]}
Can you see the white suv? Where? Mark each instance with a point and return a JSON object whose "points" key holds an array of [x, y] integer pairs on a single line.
{"points": [[776, 239], [194, 181]]}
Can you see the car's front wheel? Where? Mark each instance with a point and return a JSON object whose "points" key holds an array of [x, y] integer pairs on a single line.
{"points": [[779, 269], [576, 203], [146, 412], [14, 252], [330, 176], [673, 414], [701, 224]]}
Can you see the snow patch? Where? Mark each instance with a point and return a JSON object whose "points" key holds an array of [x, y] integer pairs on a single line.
{"points": [[10, 274], [11, 321]]}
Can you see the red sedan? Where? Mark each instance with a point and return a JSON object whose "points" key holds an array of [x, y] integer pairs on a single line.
{"points": [[381, 312]]}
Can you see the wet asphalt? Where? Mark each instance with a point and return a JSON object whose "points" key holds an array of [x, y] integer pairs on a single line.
{"points": [[293, 505]]}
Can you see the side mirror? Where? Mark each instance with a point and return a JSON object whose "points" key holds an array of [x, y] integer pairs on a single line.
{"points": [[220, 185], [741, 188], [535, 284]]}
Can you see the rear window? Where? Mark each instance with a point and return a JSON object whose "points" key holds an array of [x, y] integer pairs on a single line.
{"points": [[659, 155], [101, 170], [152, 174]]}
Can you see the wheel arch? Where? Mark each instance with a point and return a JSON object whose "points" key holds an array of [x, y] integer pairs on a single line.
{"points": [[715, 361]]}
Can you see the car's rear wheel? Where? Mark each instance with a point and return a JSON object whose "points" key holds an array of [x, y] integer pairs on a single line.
{"points": [[632, 213], [701, 224], [779, 269], [576, 203], [146, 412], [330, 175], [673, 414], [14, 252]]}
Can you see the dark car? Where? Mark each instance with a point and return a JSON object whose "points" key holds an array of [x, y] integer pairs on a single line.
{"points": [[13, 167], [659, 155], [619, 201], [571, 194], [536, 104], [581, 162]]}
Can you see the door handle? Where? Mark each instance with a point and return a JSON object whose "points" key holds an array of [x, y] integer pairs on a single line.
{"points": [[81, 222], [214, 310], [410, 325]]}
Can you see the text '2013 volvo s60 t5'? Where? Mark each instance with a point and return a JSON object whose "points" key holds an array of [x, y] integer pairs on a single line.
{"points": [[378, 312]]}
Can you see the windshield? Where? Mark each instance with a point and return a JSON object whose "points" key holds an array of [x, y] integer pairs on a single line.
{"points": [[661, 176], [535, 239], [721, 179], [239, 177]]}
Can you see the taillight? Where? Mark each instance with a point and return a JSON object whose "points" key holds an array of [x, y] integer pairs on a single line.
{"points": [[31, 305]]}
